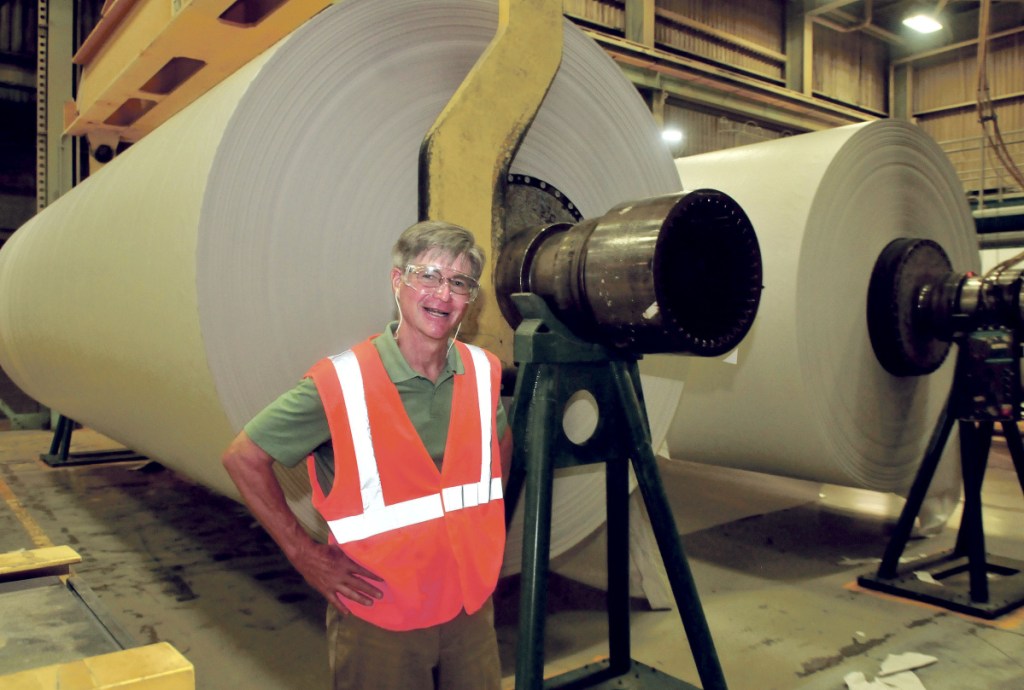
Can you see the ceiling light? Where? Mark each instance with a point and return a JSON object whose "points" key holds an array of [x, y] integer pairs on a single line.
{"points": [[671, 136], [923, 23]]}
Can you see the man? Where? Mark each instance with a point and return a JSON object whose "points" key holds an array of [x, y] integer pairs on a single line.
{"points": [[402, 437]]}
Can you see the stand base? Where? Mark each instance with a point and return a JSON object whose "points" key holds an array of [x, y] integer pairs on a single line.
{"points": [[90, 458], [599, 675], [1005, 585]]}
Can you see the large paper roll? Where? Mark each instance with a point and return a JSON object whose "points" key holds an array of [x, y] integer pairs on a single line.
{"points": [[169, 297], [806, 397]]}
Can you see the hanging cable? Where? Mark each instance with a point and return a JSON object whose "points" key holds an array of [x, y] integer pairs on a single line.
{"points": [[986, 108], [989, 121]]}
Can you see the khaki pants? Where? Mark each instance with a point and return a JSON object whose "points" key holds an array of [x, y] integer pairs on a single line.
{"points": [[461, 654]]}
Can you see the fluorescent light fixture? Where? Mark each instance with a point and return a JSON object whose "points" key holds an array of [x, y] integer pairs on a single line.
{"points": [[922, 23], [671, 136]]}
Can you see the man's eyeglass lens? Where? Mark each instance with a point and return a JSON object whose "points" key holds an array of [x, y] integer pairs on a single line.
{"points": [[431, 278]]}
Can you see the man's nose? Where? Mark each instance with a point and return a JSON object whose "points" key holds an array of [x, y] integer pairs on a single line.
{"points": [[443, 289]]}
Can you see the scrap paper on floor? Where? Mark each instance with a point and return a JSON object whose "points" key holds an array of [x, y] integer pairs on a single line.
{"points": [[907, 680], [896, 673], [897, 663]]}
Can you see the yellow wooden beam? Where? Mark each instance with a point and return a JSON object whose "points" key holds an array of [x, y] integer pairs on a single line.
{"points": [[466, 154], [148, 59], [51, 560], [35, 532], [153, 667]]}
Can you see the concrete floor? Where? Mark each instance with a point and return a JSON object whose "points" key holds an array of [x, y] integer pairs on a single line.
{"points": [[775, 562]]}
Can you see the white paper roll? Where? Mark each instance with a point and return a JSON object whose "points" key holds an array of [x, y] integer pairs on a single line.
{"points": [[807, 398], [171, 296]]}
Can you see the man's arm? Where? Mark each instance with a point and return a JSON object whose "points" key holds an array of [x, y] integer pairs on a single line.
{"points": [[505, 445], [326, 568]]}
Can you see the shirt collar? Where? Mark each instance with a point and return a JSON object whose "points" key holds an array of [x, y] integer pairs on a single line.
{"points": [[398, 369]]}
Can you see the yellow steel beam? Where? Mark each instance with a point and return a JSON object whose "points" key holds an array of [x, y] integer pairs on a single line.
{"points": [[153, 667], [148, 59], [467, 152]]}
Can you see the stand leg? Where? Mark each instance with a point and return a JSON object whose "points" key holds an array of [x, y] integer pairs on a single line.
{"points": [[617, 498], [918, 491], [1011, 432], [60, 446], [975, 442], [525, 384], [536, 531], [667, 535]]}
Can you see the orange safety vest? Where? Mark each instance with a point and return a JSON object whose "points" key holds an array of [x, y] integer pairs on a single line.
{"points": [[436, 538]]}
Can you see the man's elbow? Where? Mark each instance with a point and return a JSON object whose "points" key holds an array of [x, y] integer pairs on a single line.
{"points": [[241, 455], [505, 446], [229, 460]]}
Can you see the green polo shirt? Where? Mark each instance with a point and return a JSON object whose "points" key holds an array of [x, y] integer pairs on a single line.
{"points": [[295, 425]]}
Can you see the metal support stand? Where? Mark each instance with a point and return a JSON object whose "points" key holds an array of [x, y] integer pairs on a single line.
{"points": [[60, 454], [973, 582], [24, 420], [555, 366]]}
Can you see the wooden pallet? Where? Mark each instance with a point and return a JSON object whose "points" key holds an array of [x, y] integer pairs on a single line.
{"points": [[38, 583]]}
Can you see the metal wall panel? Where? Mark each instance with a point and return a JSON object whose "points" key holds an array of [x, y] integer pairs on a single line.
{"points": [[19, 21], [749, 36], [851, 68], [961, 137], [944, 101], [706, 131], [952, 78], [18, 29], [604, 13], [947, 82], [758, 21]]}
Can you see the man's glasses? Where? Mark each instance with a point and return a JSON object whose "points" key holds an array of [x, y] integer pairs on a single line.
{"points": [[430, 279]]}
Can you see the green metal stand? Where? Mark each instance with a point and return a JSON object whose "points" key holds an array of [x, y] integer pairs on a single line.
{"points": [[554, 366], [60, 454], [973, 581]]}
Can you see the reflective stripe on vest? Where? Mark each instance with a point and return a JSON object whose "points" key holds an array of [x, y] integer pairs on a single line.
{"points": [[377, 517]]}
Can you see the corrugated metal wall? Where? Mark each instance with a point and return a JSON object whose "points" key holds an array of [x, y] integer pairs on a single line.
{"points": [[943, 104], [749, 37], [18, 20], [605, 14], [851, 68], [760, 22], [18, 28], [953, 78], [706, 131]]}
